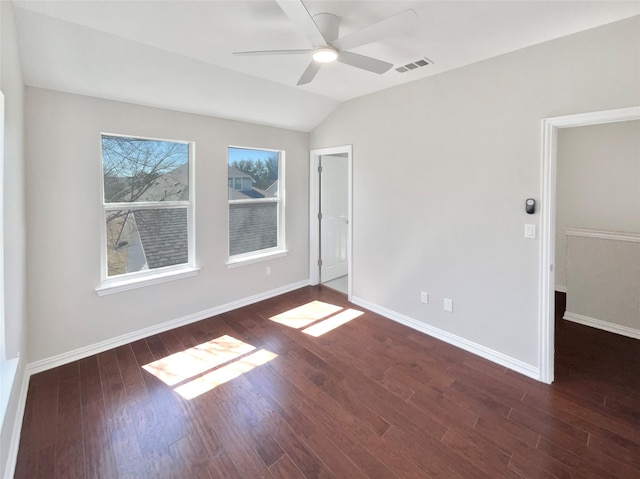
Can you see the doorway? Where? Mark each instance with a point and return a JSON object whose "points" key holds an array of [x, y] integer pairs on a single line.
{"points": [[548, 223], [330, 218]]}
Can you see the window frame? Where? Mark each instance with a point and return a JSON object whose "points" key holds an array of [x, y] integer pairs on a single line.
{"points": [[3, 350], [137, 279], [280, 249]]}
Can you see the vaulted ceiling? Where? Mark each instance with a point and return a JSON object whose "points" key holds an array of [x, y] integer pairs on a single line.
{"points": [[178, 54]]}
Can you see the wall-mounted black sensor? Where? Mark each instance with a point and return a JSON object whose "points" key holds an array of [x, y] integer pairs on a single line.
{"points": [[530, 206]]}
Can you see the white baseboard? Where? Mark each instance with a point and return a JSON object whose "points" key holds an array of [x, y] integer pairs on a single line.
{"points": [[604, 325], [561, 288], [86, 351], [462, 343], [12, 455]]}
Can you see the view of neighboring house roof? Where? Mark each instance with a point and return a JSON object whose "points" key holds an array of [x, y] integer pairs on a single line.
{"points": [[163, 234], [272, 190], [172, 186], [247, 194], [253, 226], [243, 190], [236, 173]]}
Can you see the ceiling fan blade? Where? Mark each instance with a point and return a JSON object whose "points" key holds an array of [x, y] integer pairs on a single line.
{"points": [[300, 16], [388, 27], [365, 63], [273, 52], [309, 73]]}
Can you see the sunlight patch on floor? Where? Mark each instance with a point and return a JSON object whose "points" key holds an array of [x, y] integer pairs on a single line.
{"points": [[306, 314], [322, 327], [224, 374], [186, 364], [198, 370]]}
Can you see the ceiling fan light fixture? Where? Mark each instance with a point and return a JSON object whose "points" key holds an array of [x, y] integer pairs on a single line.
{"points": [[325, 55]]}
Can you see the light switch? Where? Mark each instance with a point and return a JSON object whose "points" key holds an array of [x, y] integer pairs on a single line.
{"points": [[529, 231]]}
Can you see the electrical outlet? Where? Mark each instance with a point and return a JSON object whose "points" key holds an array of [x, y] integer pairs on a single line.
{"points": [[267, 270], [448, 305], [424, 297]]}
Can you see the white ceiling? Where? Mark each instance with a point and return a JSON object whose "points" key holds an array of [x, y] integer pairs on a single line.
{"points": [[178, 54]]}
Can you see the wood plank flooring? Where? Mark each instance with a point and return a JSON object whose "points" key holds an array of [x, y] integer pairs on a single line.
{"points": [[369, 399]]}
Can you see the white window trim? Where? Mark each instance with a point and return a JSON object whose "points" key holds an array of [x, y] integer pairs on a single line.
{"points": [[8, 365], [280, 250], [3, 355], [139, 279], [134, 283], [254, 200], [250, 258]]}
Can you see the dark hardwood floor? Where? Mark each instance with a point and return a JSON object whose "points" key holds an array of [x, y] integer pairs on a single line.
{"points": [[369, 399]]}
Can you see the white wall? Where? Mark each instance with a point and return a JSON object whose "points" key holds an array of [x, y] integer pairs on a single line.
{"points": [[63, 219], [472, 139], [598, 183], [12, 86]]}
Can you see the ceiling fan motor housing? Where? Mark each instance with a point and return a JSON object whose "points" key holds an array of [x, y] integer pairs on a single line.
{"points": [[329, 26]]}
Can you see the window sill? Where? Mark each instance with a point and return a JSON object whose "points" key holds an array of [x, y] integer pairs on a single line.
{"points": [[112, 287], [256, 258]]}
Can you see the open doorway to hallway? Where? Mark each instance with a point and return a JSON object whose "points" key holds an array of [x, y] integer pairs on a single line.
{"points": [[551, 278]]}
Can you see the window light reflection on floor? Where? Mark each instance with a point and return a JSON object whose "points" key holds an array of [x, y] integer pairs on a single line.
{"points": [[224, 374], [193, 361], [306, 314], [322, 327], [221, 360]]}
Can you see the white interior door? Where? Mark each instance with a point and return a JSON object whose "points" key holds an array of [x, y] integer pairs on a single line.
{"points": [[334, 224]]}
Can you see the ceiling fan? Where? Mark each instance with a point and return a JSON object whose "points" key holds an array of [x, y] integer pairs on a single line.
{"points": [[322, 32]]}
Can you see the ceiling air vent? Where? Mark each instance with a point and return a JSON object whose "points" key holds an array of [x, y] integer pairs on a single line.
{"points": [[423, 62]]}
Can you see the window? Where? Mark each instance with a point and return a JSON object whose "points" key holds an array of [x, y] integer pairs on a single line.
{"points": [[256, 204], [235, 183], [148, 226]]}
